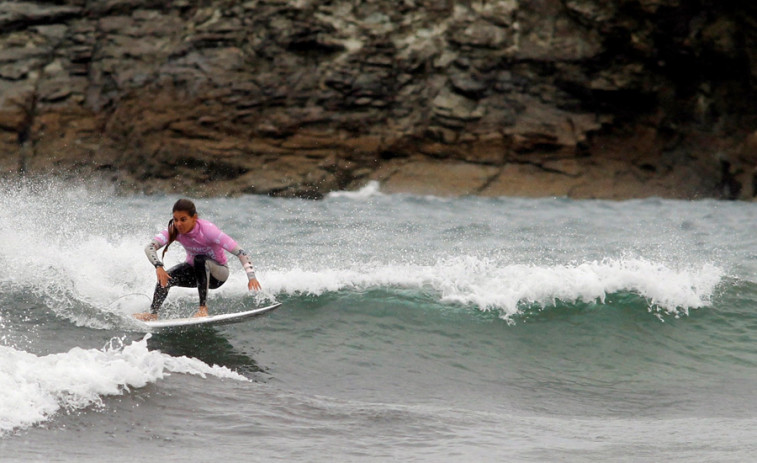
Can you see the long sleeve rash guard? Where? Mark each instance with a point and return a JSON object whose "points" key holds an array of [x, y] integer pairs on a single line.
{"points": [[204, 239]]}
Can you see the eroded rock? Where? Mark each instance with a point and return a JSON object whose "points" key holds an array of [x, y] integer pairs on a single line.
{"points": [[528, 97]]}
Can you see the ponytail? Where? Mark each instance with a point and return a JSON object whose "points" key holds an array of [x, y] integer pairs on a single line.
{"points": [[172, 233]]}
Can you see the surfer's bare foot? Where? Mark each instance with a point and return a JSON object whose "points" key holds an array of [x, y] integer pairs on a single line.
{"points": [[202, 312], [145, 316]]}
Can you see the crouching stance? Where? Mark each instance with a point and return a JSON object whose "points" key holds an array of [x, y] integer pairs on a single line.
{"points": [[206, 266]]}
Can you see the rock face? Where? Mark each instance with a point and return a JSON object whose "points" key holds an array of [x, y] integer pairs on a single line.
{"points": [[584, 98]]}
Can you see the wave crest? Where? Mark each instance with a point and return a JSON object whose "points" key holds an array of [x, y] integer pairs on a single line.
{"points": [[37, 387], [492, 286]]}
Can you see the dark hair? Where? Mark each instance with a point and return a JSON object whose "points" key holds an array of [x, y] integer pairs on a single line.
{"points": [[183, 205]]}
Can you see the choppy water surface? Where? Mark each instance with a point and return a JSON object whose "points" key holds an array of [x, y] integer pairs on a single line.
{"points": [[418, 328]]}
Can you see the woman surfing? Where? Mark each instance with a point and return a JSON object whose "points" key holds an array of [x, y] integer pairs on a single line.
{"points": [[205, 267]]}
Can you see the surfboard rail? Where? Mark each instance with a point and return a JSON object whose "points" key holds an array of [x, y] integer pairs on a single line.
{"points": [[211, 320]]}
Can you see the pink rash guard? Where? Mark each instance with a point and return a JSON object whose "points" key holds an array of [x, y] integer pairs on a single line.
{"points": [[204, 239]]}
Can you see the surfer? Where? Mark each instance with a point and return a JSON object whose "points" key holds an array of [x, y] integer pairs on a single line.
{"points": [[206, 265]]}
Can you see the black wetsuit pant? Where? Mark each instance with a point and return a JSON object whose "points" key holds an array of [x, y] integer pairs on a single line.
{"points": [[200, 276]]}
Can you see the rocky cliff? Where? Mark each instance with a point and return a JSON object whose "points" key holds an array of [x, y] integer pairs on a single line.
{"points": [[585, 98]]}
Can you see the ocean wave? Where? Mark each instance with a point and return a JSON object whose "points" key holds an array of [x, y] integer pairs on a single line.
{"points": [[506, 288], [92, 258], [35, 388]]}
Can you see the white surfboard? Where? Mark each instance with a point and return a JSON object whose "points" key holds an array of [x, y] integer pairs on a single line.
{"points": [[211, 320]]}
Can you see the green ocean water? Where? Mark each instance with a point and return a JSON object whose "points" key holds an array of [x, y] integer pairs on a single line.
{"points": [[414, 328]]}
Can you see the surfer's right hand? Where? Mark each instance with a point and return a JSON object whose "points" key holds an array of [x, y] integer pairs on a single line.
{"points": [[163, 277]]}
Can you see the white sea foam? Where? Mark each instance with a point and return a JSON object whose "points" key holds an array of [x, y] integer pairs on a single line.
{"points": [[492, 286], [35, 388], [73, 253], [370, 189]]}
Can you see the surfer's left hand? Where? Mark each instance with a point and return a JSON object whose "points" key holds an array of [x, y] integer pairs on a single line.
{"points": [[254, 284]]}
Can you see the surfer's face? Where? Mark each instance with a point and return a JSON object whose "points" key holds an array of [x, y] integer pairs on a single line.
{"points": [[184, 222]]}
